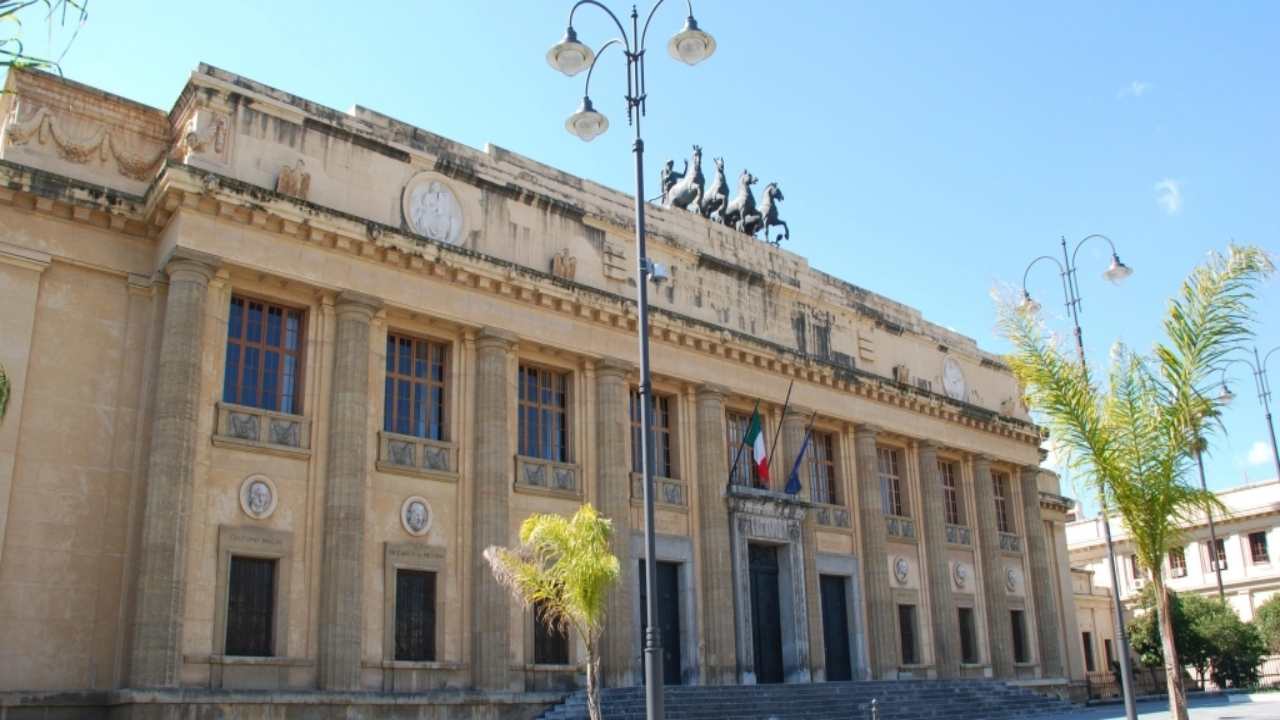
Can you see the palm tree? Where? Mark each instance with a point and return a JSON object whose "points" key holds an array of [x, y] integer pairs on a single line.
{"points": [[564, 565], [1134, 440]]}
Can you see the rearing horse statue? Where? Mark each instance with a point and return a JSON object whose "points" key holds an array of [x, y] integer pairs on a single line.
{"points": [[742, 205], [769, 214], [714, 200], [687, 193]]}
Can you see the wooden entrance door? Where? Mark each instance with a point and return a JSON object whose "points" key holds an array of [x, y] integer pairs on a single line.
{"points": [[766, 616], [835, 627]]}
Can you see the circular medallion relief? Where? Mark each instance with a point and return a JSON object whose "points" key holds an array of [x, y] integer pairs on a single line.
{"points": [[900, 570], [415, 516], [1010, 579], [431, 209], [258, 497], [960, 573], [953, 382]]}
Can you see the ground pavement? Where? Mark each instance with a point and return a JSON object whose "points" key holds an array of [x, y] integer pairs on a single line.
{"points": [[1258, 706]]}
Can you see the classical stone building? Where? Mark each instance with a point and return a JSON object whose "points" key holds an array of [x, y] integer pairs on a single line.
{"points": [[281, 373]]}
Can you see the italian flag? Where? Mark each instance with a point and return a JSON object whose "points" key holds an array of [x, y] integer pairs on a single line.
{"points": [[755, 438]]}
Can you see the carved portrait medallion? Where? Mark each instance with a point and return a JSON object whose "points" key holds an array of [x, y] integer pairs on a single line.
{"points": [[431, 209], [900, 570], [1010, 579], [960, 573], [258, 497], [415, 516]]}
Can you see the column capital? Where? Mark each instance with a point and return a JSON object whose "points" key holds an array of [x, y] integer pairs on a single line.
{"points": [[185, 264], [927, 446], [1030, 472], [351, 302], [712, 391], [864, 432], [491, 337], [798, 412], [613, 367]]}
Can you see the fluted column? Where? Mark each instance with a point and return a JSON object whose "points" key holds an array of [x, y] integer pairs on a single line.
{"points": [[999, 631], [719, 658], [793, 427], [1041, 580], [156, 655], [342, 548], [881, 622], [613, 421], [942, 608], [490, 507]]}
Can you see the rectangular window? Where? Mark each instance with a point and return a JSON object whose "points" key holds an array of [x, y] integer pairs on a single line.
{"points": [[968, 637], [550, 645], [1019, 623], [907, 633], [544, 414], [415, 388], [1218, 558], [1108, 651], [660, 417], [1135, 569], [892, 499], [1258, 548], [745, 472], [950, 492], [1000, 485], [1177, 562], [251, 600], [415, 615], [822, 469], [263, 366], [1089, 664]]}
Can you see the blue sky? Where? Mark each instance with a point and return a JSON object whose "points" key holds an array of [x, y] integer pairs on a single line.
{"points": [[927, 150]]}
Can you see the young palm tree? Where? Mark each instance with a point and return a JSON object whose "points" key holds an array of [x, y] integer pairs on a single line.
{"points": [[565, 566], [1133, 441]]}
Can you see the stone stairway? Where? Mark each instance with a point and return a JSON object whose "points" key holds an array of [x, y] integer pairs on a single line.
{"points": [[895, 700]]}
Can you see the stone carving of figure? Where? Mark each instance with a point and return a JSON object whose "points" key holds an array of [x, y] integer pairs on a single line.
{"points": [[564, 265], [415, 516], [294, 181], [259, 498]]}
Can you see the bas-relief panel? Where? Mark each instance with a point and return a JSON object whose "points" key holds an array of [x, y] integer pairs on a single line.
{"points": [[835, 543], [667, 522]]}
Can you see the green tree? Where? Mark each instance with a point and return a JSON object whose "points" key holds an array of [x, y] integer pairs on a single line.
{"points": [[1132, 441], [1236, 646], [4, 392], [564, 565], [60, 13], [1267, 620], [1209, 634]]}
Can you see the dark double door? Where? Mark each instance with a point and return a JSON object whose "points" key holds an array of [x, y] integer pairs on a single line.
{"points": [[835, 627], [668, 606], [766, 613]]}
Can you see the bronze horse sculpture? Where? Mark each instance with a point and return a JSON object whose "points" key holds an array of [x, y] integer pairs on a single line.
{"points": [[742, 205], [767, 217], [686, 191], [714, 200]]}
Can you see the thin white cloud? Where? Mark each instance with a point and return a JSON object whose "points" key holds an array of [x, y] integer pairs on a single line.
{"points": [[1259, 454], [1134, 89], [1169, 196]]}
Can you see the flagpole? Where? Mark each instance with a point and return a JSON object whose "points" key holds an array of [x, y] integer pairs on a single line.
{"points": [[795, 466], [785, 403], [741, 444]]}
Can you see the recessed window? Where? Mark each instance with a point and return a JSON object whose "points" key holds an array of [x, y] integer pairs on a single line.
{"points": [[822, 469], [968, 637], [950, 474], [544, 414], [263, 366], [1218, 555], [415, 615], [550, 645], [660, 419], [1109, 651], [1135, 568], [1258, 548], [1018, 620], [1000, 489], [1177, 562], [414, 402], [907, 634], [251, 592], [745, 471], [892, 499], [1089, 664]]}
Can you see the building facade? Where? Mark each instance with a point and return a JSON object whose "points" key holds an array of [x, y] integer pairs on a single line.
{"points": [[281, 373], [1248, 538]]}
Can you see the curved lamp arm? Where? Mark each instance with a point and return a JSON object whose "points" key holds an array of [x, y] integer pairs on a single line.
{"points": [[1032, 264], [622, 31], [586, 92], [1262, 366], [1087, 238], [645, 32]]}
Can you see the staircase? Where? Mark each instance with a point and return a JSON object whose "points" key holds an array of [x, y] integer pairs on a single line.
{"points": [[895, 700]]}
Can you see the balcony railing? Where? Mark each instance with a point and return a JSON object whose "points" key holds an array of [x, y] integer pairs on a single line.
{"points": [[836, 516], [959, 535], [400, 453], [898, 526], [266, 429], [1010, 543], [667, 491], [547, 475]]}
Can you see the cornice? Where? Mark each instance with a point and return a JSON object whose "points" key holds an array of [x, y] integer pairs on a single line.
{"points": [[182, 188]]}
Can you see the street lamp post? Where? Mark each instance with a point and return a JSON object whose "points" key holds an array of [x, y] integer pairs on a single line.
{"points": [[690, 45], [1263, 386], [1116, 273]]}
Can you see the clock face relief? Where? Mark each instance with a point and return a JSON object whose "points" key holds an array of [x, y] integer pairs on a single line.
{"points": [[953, 380], [432, 210]]}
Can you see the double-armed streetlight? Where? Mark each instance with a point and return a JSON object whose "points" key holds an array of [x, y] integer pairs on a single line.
{"points": [[1114, 273], [570, 56], [1263, 387]]}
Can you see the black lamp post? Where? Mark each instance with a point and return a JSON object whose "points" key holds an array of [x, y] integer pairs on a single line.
{"points": [[1115, 273], [691, 46], [1263, 387]]}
